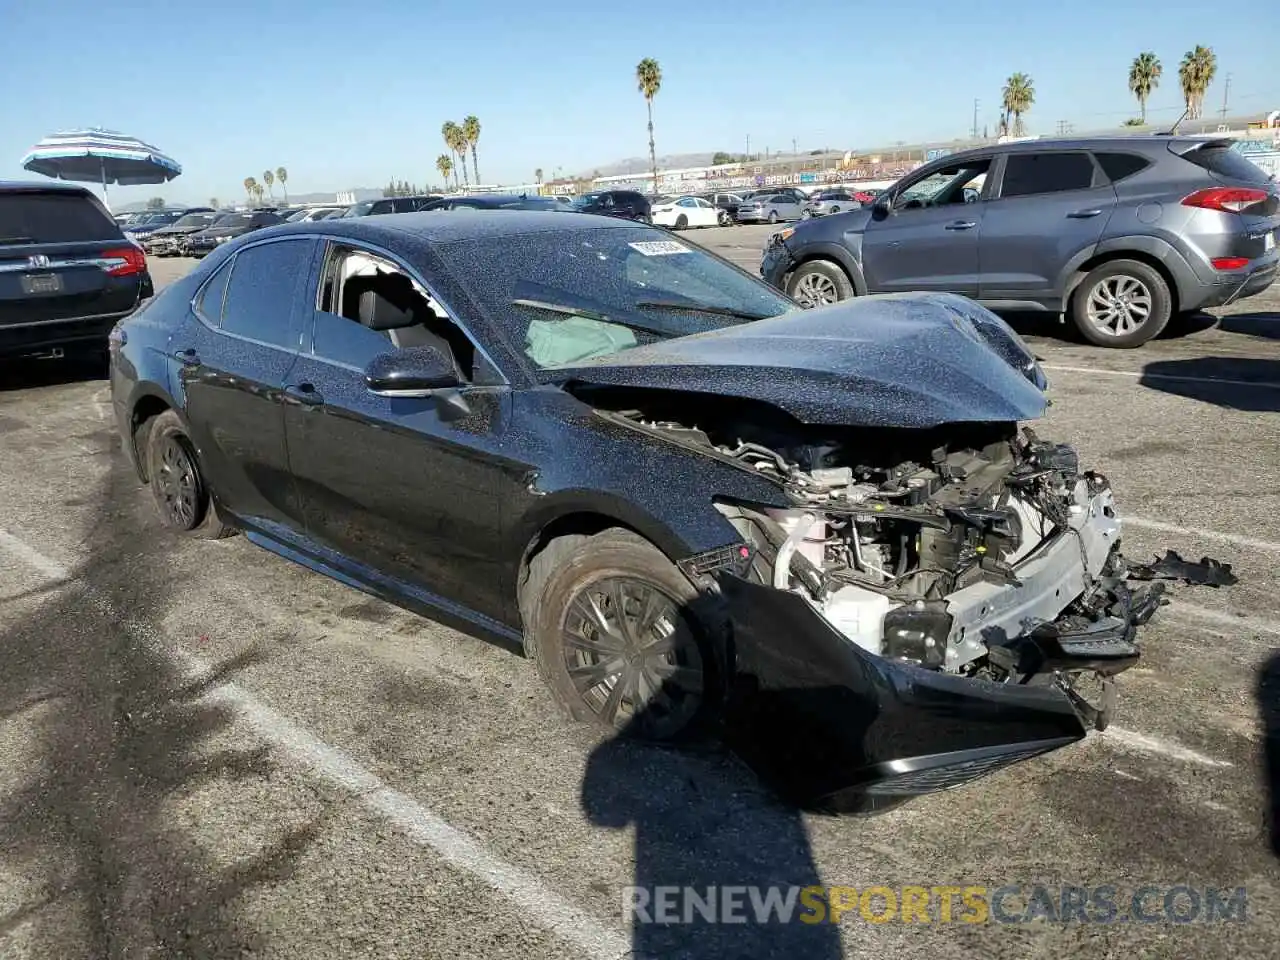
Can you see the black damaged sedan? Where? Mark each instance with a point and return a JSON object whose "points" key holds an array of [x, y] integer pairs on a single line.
{"points": [[826, 536]]}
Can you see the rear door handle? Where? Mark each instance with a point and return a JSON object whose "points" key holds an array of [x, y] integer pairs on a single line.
{"points": [[1083, 214], [304, 393], [962, 225], [189, 357]]}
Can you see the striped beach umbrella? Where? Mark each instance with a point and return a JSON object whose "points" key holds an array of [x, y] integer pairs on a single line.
{"points": [[100, 156]]}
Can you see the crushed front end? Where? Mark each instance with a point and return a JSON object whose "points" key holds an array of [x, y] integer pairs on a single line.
{"points": [[928, 611]]}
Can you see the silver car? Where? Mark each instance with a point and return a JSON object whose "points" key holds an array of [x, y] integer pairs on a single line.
{"points": [[769, 207], [830, 201]]}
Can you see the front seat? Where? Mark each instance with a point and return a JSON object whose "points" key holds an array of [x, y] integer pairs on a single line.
{"points": [[378, 312]]}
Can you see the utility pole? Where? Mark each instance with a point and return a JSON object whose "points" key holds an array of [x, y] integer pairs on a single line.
{"points": [[1226, 92], [975, 118], [748, 146]]}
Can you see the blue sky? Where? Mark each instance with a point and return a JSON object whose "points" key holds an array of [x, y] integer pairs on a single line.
{"points": [[353, 93]]}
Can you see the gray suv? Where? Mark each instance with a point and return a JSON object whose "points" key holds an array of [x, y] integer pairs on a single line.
{"points": [[1120, 234]]}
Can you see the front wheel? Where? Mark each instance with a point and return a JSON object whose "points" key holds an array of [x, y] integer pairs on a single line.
{"points": [[1123, 303], [177, 486], [723, 218], [773, 216], [610, 622], [818, 283]]}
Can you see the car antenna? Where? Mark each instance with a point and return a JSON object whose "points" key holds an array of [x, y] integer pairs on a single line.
{"points": [[1173, 131]]}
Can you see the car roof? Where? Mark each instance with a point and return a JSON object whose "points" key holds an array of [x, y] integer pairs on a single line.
{"points": [[441, 226], [1117, 142], [36, 186]]}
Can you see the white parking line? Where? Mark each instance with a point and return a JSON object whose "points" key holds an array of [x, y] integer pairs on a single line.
{"points": [[417, 822], [1221, 381], [1203, 532], [1165, 748]]}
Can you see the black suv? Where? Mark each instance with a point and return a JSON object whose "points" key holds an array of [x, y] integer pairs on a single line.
{"points": [[67, 273], [1118, 233], [627, 204]]}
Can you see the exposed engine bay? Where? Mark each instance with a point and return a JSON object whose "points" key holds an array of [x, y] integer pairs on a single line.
{"points": [[974, 549]]}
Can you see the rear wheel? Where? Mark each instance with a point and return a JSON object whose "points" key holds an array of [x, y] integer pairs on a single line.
{"points": [[177, 486], [818, 283], [723, 218], [681, 222], [1123, 303], [773, 216], [609, 621]]}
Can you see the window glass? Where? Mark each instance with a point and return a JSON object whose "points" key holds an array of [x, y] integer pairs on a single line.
{"points": [[1117, 166], [945, 186], [348, 341], [213, 293], [1227, 162], [1026, 174], [54, 217], [262, 292]]}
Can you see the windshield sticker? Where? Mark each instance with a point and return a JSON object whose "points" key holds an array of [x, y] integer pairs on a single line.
{"points": [[659, 248]]}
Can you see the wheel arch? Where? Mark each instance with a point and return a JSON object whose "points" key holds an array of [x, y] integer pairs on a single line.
{"points": [[1077, 272], [144, 407], [835, 254]]}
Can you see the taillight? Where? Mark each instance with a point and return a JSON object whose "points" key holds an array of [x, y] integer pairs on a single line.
{"points": [[124, 261], [1229, 263], [1225, 199]]}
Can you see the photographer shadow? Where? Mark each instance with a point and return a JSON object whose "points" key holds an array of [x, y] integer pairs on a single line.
{"points": [[704, 826]]}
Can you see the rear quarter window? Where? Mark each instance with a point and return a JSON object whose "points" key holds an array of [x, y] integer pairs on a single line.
{"points": [[1117, 166], [54, 218], [1227, 163]]}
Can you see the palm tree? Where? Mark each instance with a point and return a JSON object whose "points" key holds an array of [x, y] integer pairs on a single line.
{"points": [[471, 132], [213, 202], [537, 175], [649, 82], [1144, 77], [1017, 97], [269, 178], [1196, 73], [250, 188], [283, 176], [456, 142], [445, 166]]}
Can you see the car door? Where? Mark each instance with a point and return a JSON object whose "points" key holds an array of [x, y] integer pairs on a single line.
{"points": [[230, 362], [1051, 206], [708, 216], [406, 488], [926, 238]]}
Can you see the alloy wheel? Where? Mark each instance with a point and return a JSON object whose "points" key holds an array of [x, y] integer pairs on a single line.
{"points": [[179, 484], [632, 655], [815, 290], [1118, 305]]}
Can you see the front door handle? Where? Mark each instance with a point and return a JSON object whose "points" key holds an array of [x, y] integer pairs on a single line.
{"points": [[1082, 214], [961, 224], [304, 393], [189, 357]]}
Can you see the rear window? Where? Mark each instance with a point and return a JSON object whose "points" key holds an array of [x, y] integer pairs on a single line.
{"points": [[53, 218], [1222, 161], [1117, 166]]}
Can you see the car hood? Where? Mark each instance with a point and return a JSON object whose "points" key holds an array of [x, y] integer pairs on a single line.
{"points": [[896, 360], [220, 232], [178, 231]]}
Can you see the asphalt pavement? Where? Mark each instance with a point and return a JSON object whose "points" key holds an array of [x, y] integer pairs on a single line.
{"points": [[207, 751]]}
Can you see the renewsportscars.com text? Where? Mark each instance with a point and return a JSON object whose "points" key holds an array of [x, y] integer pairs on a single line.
{"points": [[1012, 903]]}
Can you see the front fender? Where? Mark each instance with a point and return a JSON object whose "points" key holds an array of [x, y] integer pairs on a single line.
{"points": [[837, 252]]}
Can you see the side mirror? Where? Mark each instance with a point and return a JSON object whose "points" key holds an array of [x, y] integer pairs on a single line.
{"points": [[412, 372], [882, 206]]}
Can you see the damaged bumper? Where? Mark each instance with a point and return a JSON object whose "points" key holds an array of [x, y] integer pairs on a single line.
{"points": [[833, 727]]}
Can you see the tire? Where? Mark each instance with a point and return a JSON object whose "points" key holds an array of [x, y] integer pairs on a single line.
{"points": [[1105, 319], [835, 210], [773, 216], [661, 686], [723, 218], [818, 283], [681, 222], [178, 488]]}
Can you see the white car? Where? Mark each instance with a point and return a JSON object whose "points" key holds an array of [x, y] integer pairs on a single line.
{"points": [[685, 212]]}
